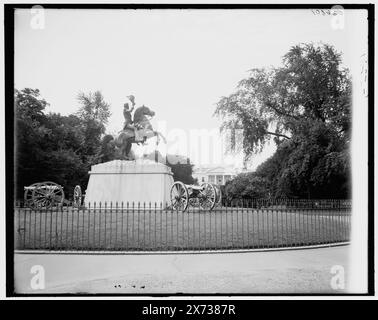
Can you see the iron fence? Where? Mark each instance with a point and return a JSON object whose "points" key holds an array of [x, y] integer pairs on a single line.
{"points": [[155, 227]]}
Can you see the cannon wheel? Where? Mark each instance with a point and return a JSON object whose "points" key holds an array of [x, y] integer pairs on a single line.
{"points": [[47, 194], [179, 196], [218, 201], [207, 196], [77, 197], [28, 199]]}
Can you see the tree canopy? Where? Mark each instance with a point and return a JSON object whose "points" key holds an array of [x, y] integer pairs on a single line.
{"points": [[304, 106], [53, 147]]}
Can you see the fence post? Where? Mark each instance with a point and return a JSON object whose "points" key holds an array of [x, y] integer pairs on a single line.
{"points": [[155, 245], [144, 225], [242, 225], [121, 209], [111, 227], [105, 213], [133, 225], [161, 224], [149, 224]]}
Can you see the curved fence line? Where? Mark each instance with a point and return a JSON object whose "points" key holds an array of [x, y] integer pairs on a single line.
{"points": [[147, 227], [151, 252]]}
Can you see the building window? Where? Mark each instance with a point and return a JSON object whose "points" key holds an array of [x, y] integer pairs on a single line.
{"points": [[203, 179], [219, 179], [211, 179]]}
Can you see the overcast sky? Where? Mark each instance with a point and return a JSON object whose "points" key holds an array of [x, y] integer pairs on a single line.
{"points": [[177, 62]]}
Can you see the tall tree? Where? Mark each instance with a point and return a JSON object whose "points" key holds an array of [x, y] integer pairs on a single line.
{"points": [[94, 107], [30, 134], [304, 103], [55, 147], [46, 144], [94, 113], [182, 172], [281, 102]]}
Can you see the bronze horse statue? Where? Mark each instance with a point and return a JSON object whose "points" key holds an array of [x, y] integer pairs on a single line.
{"points": [[127, 137]]}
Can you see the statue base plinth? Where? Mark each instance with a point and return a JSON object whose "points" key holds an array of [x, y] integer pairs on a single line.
{"points": [[119, 181]]}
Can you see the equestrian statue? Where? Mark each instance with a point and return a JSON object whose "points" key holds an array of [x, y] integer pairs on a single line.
{"points": [[135, 130]]}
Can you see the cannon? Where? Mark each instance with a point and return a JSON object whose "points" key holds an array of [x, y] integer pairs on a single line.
{"points": [[49, 194], [205, 196]]}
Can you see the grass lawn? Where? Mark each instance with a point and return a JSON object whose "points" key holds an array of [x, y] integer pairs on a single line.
{"points": [[222, 228]]}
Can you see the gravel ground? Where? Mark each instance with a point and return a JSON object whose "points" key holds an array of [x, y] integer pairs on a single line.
{"points": [[287, 271]]}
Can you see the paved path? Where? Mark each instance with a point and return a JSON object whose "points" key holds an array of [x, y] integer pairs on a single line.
{"points": [[289, 271]]}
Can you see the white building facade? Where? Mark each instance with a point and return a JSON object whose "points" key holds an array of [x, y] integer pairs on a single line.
{"points": [[215, 174]]}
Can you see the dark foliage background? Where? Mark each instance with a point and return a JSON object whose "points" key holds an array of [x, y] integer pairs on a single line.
{"points": [[52, 147], [304, 107]]}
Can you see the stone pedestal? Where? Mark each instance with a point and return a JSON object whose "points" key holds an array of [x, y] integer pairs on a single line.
{"points": [[141, 180]]}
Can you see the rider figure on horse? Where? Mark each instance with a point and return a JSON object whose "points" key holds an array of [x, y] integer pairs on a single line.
{"points": [[129, 124], [136, 129]]}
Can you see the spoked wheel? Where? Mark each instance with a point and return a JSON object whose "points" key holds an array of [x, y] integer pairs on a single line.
{"points": [[179, 196], [207, 196], [47, 194], [218, 200], [28, 199], [77, 198]]}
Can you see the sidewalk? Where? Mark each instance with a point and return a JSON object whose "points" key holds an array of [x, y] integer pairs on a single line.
{"points": [[288, 271]]}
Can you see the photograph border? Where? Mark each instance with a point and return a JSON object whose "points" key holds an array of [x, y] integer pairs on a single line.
{"points": [[9, 137]]}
